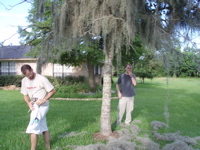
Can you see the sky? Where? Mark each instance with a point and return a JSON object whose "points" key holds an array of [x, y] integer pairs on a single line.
{"points": [[11, 18]]}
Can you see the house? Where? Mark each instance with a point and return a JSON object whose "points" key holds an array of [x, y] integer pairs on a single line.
{"points": [[13, 57]]}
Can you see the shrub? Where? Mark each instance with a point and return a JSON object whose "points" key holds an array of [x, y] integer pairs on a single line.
{"points": [[68, 80], [183, 75], [75, 88], [6, 80]]}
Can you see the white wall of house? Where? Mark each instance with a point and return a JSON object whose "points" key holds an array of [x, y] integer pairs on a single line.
{"points": [[80, 71], [49, 69], [19, 64]]}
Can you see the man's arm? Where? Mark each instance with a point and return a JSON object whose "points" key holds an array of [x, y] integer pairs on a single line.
{"points": [[132, 76], [133, 80], [118, 91], [28, 102], [48, 96]]}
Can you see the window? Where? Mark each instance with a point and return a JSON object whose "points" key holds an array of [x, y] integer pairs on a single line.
{"points": [[97, 69], [67, 70], [7, 68], [62, 70], [57, 70]]}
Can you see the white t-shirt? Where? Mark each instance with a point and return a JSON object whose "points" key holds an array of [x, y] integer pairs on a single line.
{"points": [[37, 88]]}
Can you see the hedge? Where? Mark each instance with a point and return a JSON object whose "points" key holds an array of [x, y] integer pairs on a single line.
{"points": [[6, 80]]}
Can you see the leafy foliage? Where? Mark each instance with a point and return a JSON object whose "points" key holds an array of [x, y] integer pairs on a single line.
{"points": [[10, 80], [38, 30], [155, 28], [148, 66], [66, 81], [131, 56], [186, 64], [85, 52]]}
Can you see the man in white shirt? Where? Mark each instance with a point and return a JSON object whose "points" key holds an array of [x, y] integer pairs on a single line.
{"points": [[37, 90]]}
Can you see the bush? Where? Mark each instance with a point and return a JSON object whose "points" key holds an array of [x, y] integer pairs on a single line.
{"points": [[68, 80], [77, 91], [6, 80], [183, 75], [75, 88], [56, 81]]}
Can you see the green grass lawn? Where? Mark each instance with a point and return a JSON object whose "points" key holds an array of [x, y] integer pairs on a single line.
{"points": [[180, 96]]}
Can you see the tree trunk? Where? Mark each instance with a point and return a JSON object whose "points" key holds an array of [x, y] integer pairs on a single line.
{"points": [[91, 76], [106, 101], [39, 66]]}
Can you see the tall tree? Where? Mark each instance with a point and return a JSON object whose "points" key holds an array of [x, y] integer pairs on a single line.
{"points": [[111, 19], [118, 21], [147, 66], [90, 53], [37, 32]]}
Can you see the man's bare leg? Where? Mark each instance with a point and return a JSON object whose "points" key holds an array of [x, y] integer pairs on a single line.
{"points": [[34, 140], [46, 136]]}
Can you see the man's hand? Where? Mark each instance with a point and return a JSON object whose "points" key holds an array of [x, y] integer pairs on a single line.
{"points": [[48, 96], [40, 101], [31, 105], [130, 73], [119, 95]]}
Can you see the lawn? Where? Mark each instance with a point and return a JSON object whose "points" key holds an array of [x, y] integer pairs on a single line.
{"points": [[172, 101]]}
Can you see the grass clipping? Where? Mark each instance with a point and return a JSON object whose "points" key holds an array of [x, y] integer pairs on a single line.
{"points": [[129, 139]]}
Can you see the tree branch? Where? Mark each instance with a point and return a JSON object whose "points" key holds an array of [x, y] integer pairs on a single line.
{"points": [[44, 27], [1, 43], [11, 7]]}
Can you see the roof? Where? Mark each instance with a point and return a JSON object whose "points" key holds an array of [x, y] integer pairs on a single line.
{"points": [[14, 52]]}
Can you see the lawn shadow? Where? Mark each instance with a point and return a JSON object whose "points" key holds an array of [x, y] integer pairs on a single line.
{"points": [[174, 106], [168, 103], [72, 117]]}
